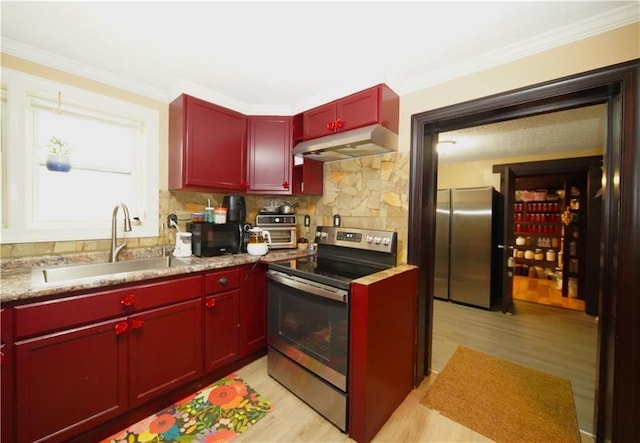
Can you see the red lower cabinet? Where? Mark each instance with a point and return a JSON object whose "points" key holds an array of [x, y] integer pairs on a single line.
{"points": [[70, 381], [253, 310], [6, 375], [79, 361], [221, 329], [235, 319], [72, 375], [165, 350]]}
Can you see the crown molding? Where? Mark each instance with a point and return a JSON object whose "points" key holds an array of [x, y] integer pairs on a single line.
{"points": [[617, 18], [39, 56], [182, 86]]}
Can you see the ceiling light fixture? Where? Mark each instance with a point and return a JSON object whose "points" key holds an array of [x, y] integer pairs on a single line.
{"points": [[445, 146]]}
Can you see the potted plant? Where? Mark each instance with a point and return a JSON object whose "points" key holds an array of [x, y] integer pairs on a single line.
{"points": [[58, 158], [303, 244]]}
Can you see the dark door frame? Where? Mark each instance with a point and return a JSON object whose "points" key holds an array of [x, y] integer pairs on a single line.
{"points": [[617, 385]]}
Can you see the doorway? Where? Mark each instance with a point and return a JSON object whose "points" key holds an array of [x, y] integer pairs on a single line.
{"points": [[547, 153], [618, 363], [542, 247], [556, 210]]}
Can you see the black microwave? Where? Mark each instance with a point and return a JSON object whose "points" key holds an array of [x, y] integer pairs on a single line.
{"points": [[210, 239]]}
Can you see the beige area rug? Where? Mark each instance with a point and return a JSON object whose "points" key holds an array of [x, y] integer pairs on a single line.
{"points": [[504, 401]]}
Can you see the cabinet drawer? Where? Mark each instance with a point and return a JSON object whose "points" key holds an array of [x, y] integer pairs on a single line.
{"points": [[38, 318], [219, 281]]}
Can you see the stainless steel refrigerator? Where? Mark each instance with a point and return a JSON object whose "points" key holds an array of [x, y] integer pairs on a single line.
{"points": [[475, 262], [441, 266]]}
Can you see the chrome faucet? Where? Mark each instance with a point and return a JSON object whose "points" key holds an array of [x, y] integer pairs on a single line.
{"points": [[115, 250]]}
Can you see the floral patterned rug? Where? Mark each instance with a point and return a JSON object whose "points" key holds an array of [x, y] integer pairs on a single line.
{"points": [[215, 414]]}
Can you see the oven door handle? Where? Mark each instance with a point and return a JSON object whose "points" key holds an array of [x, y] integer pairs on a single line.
{"points": [[311, 287]]}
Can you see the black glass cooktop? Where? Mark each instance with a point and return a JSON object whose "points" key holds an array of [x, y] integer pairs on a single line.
{"points": [[331, 272]]}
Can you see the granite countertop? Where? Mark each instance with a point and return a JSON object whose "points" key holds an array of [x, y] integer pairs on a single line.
{"points": [[381, 275], [16, 284]]}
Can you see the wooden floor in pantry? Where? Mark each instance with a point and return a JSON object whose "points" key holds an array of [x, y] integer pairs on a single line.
{"points": [[487, 331], [538, 290]]}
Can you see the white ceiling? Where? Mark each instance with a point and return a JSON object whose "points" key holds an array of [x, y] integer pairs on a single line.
{"points": [[581, 129], [285, 57]]}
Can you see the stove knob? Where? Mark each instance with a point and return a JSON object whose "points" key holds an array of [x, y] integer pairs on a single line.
{"points": [[318, 234], [386, 241], [369, 239], [377, 240], [324, 235]]}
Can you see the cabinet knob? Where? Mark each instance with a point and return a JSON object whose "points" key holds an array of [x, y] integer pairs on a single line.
{"points": [[339, 124], [128, 300], [136, 323], [121, 327], [285, 185], [331, 126], [211, 303]]}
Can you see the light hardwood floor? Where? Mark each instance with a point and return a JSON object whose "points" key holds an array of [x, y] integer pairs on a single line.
{"points": [[293, 421], [558, 341], [542, 291], [532, 337]]}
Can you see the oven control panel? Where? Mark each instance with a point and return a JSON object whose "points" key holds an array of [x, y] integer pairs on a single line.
{"points": [[355, 237], [369, 239]]}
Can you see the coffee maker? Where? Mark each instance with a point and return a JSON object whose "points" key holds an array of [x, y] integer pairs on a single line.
{"points": [[236, 209]]}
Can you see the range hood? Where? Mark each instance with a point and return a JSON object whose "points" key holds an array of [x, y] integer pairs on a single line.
{"points": [[370, 140]]}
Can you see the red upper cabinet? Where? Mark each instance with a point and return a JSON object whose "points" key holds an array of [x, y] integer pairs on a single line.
{"points": [[207, 146], [319, 121], [378, 104], [269, 154], [308, 177]]}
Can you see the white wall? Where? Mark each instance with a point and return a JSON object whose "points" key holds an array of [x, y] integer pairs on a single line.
{"points": [[480, 173], [616, 46]]}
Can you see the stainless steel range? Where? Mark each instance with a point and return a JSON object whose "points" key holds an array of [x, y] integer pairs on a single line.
{"points": [[308, 306], [282, 229]]}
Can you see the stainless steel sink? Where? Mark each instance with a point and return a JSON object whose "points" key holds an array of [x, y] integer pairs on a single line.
{"points": [[40, 276]]}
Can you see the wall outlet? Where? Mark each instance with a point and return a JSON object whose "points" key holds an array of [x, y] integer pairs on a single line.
{"points": [[171, 219]]}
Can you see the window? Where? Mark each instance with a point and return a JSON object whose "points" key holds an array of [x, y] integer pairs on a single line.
{"points": [[114, 159]]}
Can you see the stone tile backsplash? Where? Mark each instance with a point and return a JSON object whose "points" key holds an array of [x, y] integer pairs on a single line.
{"points": [[368, 192]]}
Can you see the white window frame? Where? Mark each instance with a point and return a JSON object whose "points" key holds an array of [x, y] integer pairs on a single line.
{"points": [[17, 174]]}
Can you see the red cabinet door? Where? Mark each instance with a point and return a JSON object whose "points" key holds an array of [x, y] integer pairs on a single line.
{"points": [[308, 178], [207, 146], [253, 310], [318, 122], [357, 110], [6, 395], [165, 349], [269, 154], [70, 381], [378, 104], [6, 374], [221, 321]]}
